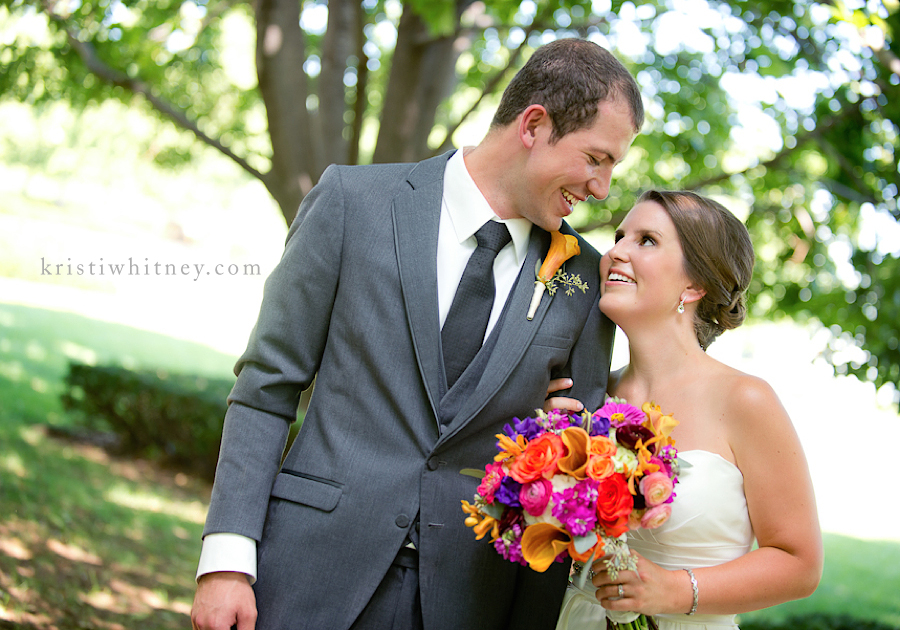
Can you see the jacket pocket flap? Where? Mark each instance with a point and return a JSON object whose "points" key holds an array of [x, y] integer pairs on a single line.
{"points": [[312, 492], [551, 341]]}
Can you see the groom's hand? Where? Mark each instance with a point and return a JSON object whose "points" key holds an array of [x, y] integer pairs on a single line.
{"points": [[224, 600]]}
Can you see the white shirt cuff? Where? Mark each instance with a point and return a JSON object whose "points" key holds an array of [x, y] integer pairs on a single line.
{"points": [[228, 552]]}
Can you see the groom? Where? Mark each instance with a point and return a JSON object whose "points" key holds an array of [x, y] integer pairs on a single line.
{"points": [[361, 526]]}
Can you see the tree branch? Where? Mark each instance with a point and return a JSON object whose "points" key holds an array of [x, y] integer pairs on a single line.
{"points": [[489, 88], [493, 83], [110, 75]]}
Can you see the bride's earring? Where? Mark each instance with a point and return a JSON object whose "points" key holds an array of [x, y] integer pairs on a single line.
{"points": [[681, 306]]}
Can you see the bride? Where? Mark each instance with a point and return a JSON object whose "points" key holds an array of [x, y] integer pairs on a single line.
{"points": [[673, 281]]}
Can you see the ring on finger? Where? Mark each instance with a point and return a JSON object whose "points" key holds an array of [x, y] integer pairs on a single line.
{"points": [[621, 591]]}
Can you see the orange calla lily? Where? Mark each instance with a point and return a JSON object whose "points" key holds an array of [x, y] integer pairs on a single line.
{"points": [[661, 424], [541, 543], [562, 248], [578, 443]]}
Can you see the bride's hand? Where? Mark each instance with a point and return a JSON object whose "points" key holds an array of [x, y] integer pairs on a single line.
{"points": [[561, 402], [651, 590]]}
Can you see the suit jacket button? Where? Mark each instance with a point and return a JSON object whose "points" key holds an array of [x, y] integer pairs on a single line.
{"points": [[433, 463], [402, 521]]}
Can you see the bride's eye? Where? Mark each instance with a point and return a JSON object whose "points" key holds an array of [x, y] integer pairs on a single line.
{"points": [[648, 240]]}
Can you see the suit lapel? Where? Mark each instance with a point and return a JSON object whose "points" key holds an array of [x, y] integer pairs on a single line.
{"points": [[514, 335], [416, 216]]}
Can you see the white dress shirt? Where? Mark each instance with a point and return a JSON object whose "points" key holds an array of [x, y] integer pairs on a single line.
{"points": [[463, 211]]}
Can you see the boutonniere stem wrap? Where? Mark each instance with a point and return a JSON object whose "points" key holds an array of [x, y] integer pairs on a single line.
{"points": [[562, 248]]}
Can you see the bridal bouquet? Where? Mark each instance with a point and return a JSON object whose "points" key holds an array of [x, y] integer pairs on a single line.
{"points": [[565, 485]]}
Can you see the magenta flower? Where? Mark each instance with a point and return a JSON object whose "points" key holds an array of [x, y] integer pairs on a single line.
{"points": [[535, 496], [509, 545], [621, 414], [576, 507], [493, 475], [557, 420]]}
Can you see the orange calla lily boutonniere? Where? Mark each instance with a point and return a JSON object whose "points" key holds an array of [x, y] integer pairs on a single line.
{"points": [[562, 248]]}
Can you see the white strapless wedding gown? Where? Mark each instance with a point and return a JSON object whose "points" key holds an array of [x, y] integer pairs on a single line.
{"points": [[709, 526]]}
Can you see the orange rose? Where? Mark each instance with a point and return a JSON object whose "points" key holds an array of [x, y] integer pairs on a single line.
{"points": [[539, 459], [614, 504], [600, 467], [600, 464], [601, 445]]}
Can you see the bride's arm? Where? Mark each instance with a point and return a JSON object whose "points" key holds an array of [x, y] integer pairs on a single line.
{"points": [[788, 563]]}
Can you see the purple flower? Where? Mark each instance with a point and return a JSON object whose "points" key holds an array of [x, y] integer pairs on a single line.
{"points": [[508, 492], [576, 507], [599, 425], [529, 428]]}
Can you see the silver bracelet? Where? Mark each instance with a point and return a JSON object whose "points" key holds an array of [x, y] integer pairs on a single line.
{"points": [[695, 590]]}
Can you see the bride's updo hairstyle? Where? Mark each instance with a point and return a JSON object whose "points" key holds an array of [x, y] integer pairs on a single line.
{"points": [[718, 257]]}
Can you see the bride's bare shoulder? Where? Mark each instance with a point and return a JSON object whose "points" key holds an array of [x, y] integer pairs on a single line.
{"points": [[748, 400]]}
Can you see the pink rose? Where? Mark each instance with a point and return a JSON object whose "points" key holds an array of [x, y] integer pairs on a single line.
{"points": [[656, 488], [535, 496], [656, 516]]}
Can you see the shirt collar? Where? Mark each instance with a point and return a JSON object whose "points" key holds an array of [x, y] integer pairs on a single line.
{"points": [[469, 210]]}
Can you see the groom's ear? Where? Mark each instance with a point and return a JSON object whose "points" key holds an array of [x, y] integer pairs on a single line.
{"points": [[530, 124]]}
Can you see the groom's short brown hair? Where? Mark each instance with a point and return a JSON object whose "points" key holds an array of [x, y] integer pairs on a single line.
{"points": [[570, 78]]}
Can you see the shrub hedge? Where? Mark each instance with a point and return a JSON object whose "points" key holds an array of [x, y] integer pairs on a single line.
{"points": [[172, 418]]}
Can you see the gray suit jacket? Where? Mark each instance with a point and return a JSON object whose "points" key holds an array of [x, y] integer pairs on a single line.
{"points": [[353, 302]]}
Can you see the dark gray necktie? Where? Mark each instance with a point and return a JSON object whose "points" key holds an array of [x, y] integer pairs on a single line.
{"points": [[466, 323]]}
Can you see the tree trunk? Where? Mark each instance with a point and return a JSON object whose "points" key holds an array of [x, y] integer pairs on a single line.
{"points": [[337, 47], [422, 75], [280, 54]]}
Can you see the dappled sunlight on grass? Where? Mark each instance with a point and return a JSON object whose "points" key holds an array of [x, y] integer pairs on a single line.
{"points": [[12, 463], [88, 539], [193, 511], [82, 546]]}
